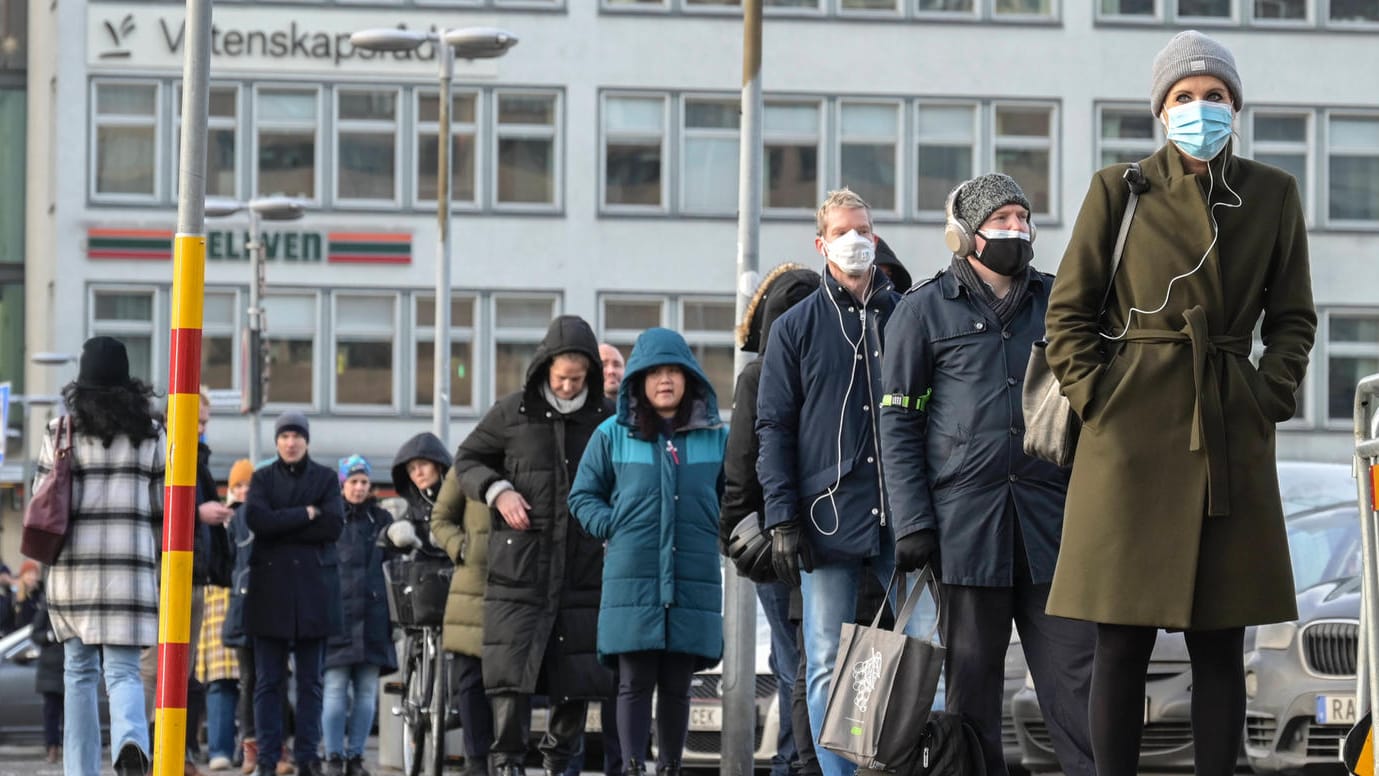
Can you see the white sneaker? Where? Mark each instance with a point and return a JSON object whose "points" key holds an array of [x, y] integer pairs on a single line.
{"points": [[220, 764]]}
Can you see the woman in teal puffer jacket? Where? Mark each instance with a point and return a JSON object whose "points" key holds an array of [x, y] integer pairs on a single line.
{"points": [[649, 485]]}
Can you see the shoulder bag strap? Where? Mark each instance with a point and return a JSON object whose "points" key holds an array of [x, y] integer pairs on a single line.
{"points": [[1134, 179]]}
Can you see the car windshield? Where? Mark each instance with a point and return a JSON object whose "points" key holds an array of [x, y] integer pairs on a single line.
{"points": [[1324, 546], [1307, 485]]}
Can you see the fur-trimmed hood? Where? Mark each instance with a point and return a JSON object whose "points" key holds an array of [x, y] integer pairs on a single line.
{"points": [[780, 290]]}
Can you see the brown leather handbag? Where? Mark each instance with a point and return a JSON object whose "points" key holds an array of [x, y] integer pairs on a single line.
{"points": [[48, 515]]}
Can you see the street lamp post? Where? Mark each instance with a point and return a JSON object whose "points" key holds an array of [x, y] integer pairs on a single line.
{"points": [[275, 208], [466, 43]]}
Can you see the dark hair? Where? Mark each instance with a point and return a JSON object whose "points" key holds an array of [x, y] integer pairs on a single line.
{"points": [[108, 411], [647, 419]]}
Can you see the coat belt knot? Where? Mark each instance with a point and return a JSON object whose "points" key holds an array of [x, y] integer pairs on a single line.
{"points": [[1208, 417]]}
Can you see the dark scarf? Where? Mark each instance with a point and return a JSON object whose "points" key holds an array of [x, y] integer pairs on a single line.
{"points": [[1005, 307]]}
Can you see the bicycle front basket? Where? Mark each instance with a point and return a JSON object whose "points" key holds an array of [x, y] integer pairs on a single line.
{"points": [[417, 590]]}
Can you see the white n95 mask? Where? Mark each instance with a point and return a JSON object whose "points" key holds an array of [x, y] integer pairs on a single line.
{"points": [[852, 252]]}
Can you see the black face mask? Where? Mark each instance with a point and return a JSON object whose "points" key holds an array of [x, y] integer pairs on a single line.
{"points": [[1008, 256]]}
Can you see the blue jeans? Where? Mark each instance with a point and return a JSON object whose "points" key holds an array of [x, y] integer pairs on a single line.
{"points": [[830, 599], [222, 696], [125, 690], [342, 718], [784, 661], [270, 665]]}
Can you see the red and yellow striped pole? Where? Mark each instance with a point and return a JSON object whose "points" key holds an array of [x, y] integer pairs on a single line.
{"points": [[184, 402], [184, 405]]}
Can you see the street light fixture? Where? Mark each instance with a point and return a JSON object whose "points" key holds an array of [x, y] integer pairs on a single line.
{"points": [[274, 208], [466, 43]]}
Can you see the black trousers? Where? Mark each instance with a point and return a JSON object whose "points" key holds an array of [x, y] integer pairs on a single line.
{"points": [[244, 710], [976, 625], [799, 716], [476, 716], [667, 674], [52, 718], [512, 726]]}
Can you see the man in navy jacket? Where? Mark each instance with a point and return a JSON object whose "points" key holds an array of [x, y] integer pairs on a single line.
{"points": [[293, 604], [964, 495], [820, 458]]}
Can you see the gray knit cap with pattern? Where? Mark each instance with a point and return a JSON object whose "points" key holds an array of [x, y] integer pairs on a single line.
{"points": [[1192, 53], [980, 197]]}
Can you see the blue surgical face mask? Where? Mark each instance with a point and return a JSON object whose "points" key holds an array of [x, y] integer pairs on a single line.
{"points": [[1200, 129]]}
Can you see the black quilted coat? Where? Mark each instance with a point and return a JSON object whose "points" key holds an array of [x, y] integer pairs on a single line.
{"points": [[541, 602]]}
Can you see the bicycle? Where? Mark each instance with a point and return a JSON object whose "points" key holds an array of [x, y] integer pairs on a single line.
{"points": [[417, 589]]}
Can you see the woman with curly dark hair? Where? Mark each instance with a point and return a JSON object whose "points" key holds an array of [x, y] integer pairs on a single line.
{"points": [[102, 590]]}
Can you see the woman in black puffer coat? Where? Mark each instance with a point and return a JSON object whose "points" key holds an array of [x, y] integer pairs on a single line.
{"points": [[541, 600]]}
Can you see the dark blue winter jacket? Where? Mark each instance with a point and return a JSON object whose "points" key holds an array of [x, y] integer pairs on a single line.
{"points": [[954, 450], [368, 636], [820, 461], [242, 543], [655, 501]]}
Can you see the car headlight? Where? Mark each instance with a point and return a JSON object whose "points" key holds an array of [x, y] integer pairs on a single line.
{"points": [[1277, 635]]}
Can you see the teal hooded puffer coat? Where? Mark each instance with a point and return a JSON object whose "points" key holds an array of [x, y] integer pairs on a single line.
{"points": [[656, 504]]}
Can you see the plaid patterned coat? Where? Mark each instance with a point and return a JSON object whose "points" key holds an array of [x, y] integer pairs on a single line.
{"points": [[214, 660], [103, 588]]}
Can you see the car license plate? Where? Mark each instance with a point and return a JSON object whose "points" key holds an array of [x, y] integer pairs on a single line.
{"points": [[706, 717], [1336, 710]]}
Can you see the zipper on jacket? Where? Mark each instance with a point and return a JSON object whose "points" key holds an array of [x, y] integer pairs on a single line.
{"points": [[670, 449], [874, 421]]}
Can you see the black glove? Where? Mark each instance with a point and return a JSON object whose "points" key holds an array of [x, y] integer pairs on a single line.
{"points": [[916, 550], [790, 553]]}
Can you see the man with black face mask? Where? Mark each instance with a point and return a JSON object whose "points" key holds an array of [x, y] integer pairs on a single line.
{"points": [[964, 496]]}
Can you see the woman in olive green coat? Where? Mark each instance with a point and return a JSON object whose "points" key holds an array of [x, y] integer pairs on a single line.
{"points": [[460, 528], [1173, 516]]}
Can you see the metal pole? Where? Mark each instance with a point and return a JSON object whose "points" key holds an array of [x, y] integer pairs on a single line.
{"points": [[440, 398], [184, 382], [739, 620], [255, 332], [1366, 453]]}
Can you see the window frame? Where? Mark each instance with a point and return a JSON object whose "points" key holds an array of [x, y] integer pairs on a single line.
{"points": [[994, 143], [902, 8], [897, 141], [708, 338], [821, 104], [1329, 150], [1328, 22], [470, 334], [527, 131], [258, 125], [418, 128], [667, 164], [274, 331], [977, 107], [512, 335], [617, 336], [155, 329], [1156, 17], [1235, 19], [1308, 146], [1343, 350], [158, 121], [344, 334], [1103, 144], [975, 15], [684, 133], [236, 124], [339, 126], [1309, 20], [1054, 16], [234, 331]]}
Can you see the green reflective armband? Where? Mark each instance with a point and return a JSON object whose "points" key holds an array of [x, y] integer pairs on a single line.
{"points": [[916, 403]]}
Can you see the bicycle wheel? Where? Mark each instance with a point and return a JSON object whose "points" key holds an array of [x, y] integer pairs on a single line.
{"points": [[436, 755], [415, 705]]}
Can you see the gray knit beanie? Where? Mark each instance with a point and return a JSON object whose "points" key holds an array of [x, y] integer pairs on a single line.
{"points": [[1192, 53], [980, 197], [292, 421]]}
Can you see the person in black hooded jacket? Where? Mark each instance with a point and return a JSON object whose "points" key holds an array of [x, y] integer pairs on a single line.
{"points": [[541, 599]]}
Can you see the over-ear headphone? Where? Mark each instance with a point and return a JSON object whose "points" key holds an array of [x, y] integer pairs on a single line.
{"points": [[957, 235]]}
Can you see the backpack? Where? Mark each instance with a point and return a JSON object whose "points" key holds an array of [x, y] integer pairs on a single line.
{"points": [[949, 746]]}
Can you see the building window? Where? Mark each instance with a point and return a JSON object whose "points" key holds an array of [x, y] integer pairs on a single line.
{"points": [[1127, 134], [869, 7], [1353, 168], [287, 147], [219, 333], [222, 141], [1280, 10], [1352, 353], [128, 316], [1284, 140], [868, 152], [709, 163], [464, 122], [1354, 11], [634, 151], [791, 133], [462, 327], [708, 326], [945, 139], [527, 155], [366, 146], [364, 328], [624, 318], [125, 143], [519, 323], [1137, 10], [1206, 10], [1024, 150], [1023, 8], [291, 332], [946, 7]]}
